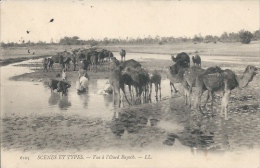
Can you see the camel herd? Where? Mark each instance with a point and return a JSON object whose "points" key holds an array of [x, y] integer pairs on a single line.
{"points": [[212, 79], [139, 80]]}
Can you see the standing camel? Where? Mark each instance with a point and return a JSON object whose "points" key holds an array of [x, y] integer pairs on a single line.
{"points": [[126, 77], [196, 60], [115, 80], [215, 80], [186, 76], [172, 71], [155, 77], [122, 53], [139, 79], [45, 64]]}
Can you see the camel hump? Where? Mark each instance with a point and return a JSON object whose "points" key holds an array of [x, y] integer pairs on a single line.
{"points": [[182, 53], [213, 81], [212, 70]]}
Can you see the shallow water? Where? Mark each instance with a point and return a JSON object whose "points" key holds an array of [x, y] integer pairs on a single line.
{"points": [[25, 98]]}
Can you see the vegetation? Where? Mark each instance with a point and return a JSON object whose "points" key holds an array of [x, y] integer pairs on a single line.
{"points": [[242, 36], [245, 36]]}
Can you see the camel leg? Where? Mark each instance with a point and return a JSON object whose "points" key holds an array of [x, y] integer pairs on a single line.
{"points": [[140, 95], [156, 91], [122, 86], [186, 92], [136, 92], [130, 91], [171, 87], [160, 91], [122, 99], [150, 94], [185, 96], [212, 100], [119, 99], [224, 103], [147, 91], [114, 90], [198, 99], [208, 96], [189, 97], [174, 88], [144, 93]]}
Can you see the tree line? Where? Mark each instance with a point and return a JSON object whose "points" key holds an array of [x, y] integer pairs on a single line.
{"points": [[242, 36]]}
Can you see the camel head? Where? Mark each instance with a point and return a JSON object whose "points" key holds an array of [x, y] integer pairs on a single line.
{"points": [[250, 71]]}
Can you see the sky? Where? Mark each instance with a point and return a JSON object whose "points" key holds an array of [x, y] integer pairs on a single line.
{"points": [[120, 19]]}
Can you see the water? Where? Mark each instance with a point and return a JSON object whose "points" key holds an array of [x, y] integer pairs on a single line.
{"points": [[27, 98]]}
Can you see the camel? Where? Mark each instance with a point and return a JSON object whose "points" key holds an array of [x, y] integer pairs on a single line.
{"points": [[155, 77], [184, 56], [45, 64], [126, 77], [122, 53], [115, 80], [171, 72], [139, 79], [216, 79], [186, 76], [50, 64], [196, 60]]}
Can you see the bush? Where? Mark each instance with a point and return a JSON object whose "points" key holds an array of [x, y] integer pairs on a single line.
{"points": [[245, 36]]}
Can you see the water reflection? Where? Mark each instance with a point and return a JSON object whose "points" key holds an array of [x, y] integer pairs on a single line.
{"points": [[127, 121], [64, 102], [84, 97], [54, 99], [202, 136], [224, 134], [108, 99], [131, 121]]}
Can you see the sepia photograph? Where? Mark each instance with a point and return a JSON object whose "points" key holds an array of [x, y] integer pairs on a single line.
{"points": [[128, 83]]}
